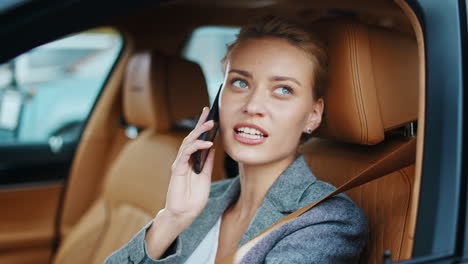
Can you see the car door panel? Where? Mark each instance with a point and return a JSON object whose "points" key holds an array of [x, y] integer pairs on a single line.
{"points": [[34, 163], [36, 154], [31, 185], [27, 226]]}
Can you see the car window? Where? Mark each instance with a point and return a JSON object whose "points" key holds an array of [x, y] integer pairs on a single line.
{"points": [[207, 46], [47, 93]]}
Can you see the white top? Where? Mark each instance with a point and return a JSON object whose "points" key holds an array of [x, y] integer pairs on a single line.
{"points": [[206, 250]]}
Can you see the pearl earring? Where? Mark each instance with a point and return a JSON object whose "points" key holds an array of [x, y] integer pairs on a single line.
{"points": [[309, 130]]}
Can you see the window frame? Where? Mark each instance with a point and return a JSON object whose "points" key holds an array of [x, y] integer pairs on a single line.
{"points": [[73, 117], [442, 190], [27, 158]]}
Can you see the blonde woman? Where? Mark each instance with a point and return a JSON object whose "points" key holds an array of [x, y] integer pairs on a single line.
{"points": [[271, 101]]}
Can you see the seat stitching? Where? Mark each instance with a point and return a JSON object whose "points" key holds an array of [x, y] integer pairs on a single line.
{"points": [[392, 189], [354, 81], [352, 59], [406, 177], [365, 132], [379, 240]]}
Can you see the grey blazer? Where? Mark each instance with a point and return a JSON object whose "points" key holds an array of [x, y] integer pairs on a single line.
{"points": [[334, 231]]}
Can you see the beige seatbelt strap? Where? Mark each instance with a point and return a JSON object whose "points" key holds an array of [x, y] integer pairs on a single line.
{"points": [[401, 157]]}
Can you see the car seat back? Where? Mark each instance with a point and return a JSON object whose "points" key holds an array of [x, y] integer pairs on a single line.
{"points": [[371, 102], [161, 98]]}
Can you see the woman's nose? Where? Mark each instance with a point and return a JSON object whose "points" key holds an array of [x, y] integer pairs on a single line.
{"points": [[255, 103]]}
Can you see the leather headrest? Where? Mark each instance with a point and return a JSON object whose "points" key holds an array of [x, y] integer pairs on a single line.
{"points": [[372, 81], [160, 91]]}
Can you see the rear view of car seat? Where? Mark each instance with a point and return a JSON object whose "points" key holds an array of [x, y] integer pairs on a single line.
{"points": [[160, 95], [372, 93]]}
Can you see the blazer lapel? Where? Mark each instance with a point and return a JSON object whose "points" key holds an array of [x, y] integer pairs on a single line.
{"points": [[216, 205], [266, 216], [282, 198]]}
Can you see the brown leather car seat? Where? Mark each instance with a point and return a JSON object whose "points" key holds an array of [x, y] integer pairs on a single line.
{"points": [[160, 96], [372, 95]]}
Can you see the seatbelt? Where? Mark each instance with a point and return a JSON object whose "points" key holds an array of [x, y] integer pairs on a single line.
{"points": [[401, 157]]}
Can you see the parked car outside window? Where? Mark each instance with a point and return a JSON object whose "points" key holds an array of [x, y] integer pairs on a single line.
{"points": [[49, 91]]}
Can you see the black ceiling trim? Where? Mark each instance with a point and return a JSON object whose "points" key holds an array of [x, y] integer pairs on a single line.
{"points": [[38, 22]]}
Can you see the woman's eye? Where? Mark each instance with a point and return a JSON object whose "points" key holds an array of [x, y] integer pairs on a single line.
{"points": [[240, 84], [283, 90]]}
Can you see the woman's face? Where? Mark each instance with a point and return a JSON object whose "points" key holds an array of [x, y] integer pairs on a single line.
{"points": [[267, 102]]}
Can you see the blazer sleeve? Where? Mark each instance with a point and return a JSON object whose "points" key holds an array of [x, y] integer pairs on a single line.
{"points": [[135, 251], [333, 232]]}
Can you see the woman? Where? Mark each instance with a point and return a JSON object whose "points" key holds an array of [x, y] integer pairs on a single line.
{"points": [[270, 103]]}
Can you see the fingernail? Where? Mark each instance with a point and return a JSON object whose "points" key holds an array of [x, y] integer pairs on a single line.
{"points": [[208, 143]]}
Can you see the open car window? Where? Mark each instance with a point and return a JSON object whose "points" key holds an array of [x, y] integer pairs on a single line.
{"points": [[215, 39], [47, 93]]}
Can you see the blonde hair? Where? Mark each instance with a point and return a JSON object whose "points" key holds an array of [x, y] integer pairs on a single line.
{"points": [[277, 27]]}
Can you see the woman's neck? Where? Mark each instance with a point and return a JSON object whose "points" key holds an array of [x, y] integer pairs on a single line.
{"points": [[255, 181]]}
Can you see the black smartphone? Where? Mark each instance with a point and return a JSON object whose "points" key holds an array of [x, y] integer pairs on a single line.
{"points": [[198, 158]]}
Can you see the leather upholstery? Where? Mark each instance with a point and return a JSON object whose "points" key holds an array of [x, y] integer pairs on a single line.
{"points": [[188, 94], [140, 104], [146, 107], [100, 143], [132, 193], [385, 201], [373, 83], [136, 183], [27, 230], [372, 89]]}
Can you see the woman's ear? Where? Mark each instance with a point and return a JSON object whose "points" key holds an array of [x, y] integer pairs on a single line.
{"points": [[315, 116]]}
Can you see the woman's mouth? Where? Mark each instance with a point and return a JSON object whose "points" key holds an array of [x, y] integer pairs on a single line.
{"points": [[249, 134]]}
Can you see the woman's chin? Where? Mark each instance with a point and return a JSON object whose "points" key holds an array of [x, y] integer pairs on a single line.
{"points": [[250, 156]]}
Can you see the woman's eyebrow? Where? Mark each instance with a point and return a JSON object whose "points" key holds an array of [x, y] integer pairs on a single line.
{"points": [[285, 78], [274, 78], [244, 73]]}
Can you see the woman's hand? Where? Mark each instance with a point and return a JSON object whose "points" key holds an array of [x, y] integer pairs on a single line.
{"points": [[188, 192]]}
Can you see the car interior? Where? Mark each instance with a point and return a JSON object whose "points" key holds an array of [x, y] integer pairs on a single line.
{"points": [[373, 109]]}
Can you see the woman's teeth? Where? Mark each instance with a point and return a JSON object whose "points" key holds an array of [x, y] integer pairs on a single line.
{"points": [[249, 132], [242, 134]]}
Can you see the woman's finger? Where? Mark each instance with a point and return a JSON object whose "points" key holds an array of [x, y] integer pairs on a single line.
{"points": [[195, 134], [203, 116], [208, 168], [190, 143], [185, 153], [197, 145]]}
